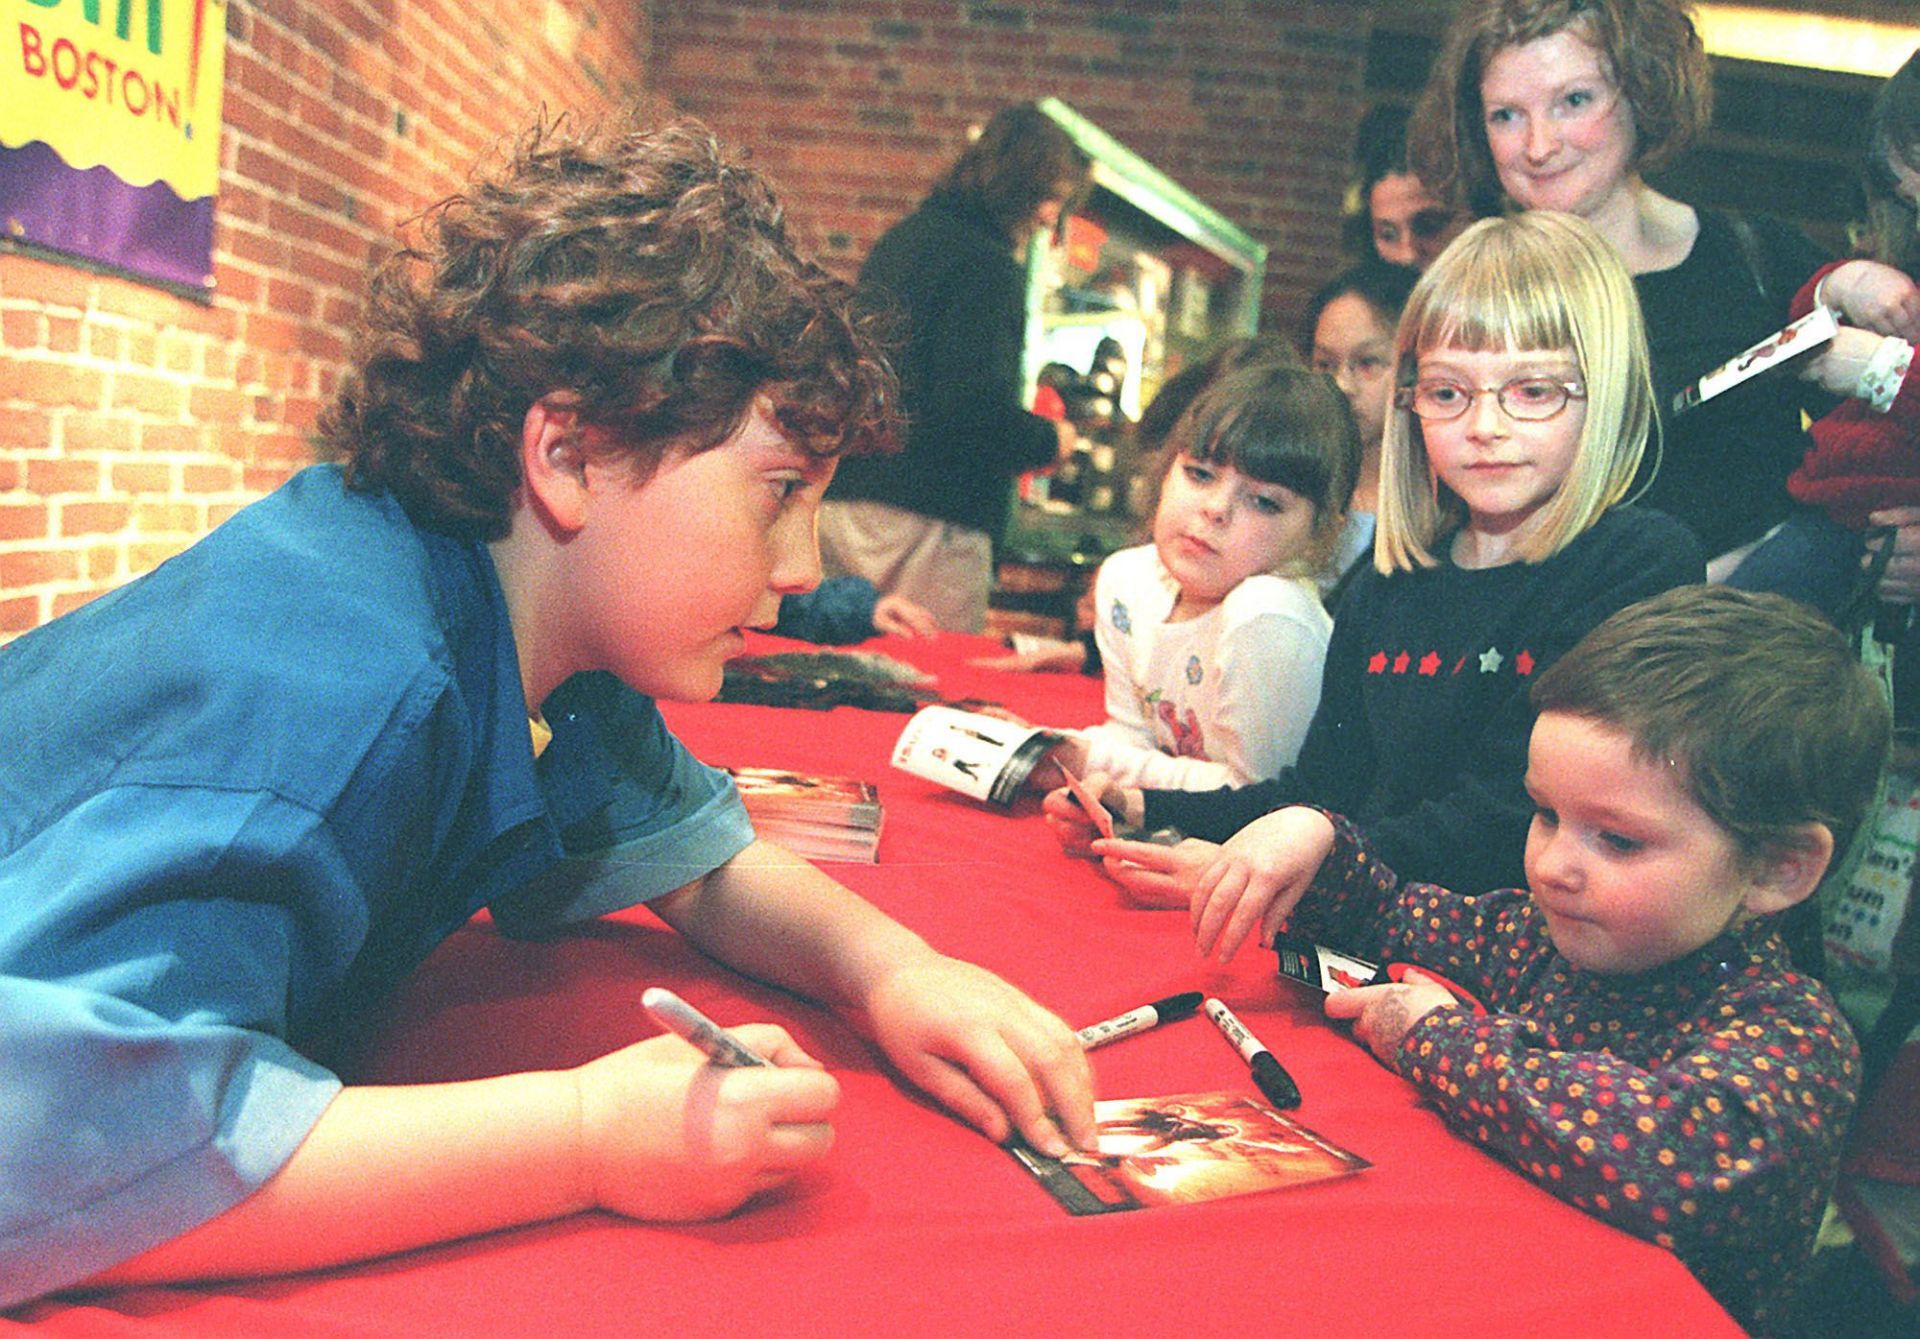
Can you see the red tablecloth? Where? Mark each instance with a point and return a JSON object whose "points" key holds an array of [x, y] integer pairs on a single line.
{"points": [[917, 1225]]}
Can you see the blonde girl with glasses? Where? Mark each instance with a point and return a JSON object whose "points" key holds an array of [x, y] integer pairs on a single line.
{"points": [[1503, 537], [1567, 105]]}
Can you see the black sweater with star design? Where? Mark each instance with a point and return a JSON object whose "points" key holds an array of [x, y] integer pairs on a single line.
{"points": [[1421, 732]]}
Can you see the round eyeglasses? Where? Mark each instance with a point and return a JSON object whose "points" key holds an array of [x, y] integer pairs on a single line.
{"points": [[1528, 399]]}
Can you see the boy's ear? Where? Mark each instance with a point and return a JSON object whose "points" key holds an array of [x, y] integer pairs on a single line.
{"points": [[1790, 870], [552, 465]]}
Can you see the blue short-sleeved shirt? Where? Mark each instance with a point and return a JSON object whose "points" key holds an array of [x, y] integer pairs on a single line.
{"points": [[240, 798]]}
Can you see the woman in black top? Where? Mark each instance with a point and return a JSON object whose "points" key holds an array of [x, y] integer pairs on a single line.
{"points": [[1561, 105], [949, 282]]}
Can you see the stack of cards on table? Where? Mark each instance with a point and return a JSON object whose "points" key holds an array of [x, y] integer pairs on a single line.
{"points": [[980, 756], [819, 817]]}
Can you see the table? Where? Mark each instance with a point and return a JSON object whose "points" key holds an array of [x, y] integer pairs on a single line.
{"points": [[916, 1224]]}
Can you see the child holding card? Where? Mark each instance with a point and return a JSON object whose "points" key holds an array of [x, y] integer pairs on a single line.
{"points": [[1521, 414], [1646, 1049], [585, 436], [1863, 469], [1213, 635]]}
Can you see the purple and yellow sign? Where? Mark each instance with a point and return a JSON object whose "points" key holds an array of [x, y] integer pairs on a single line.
{"points": [[110, 130]]}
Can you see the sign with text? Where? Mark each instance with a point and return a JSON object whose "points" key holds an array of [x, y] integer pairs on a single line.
{"points": [[110, 130]]}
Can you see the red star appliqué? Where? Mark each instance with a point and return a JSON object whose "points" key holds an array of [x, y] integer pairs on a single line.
{"points": [[1377, 663], [1430, 663], [1523, 664], [1400, 663]]}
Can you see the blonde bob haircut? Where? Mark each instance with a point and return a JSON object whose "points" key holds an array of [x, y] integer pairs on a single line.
{"points": [[1535, 281]]}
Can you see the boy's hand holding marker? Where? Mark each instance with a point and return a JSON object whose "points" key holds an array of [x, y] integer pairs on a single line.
{"points": [[666, 1135]]}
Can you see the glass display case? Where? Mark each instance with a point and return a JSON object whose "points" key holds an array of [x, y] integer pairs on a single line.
{"points": [[1146, 280]]}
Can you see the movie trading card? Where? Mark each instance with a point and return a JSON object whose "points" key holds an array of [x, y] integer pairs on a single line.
{"points": [[1322, 968], [1184, 1149]]}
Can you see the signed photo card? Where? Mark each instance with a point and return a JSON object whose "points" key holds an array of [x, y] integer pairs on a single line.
{"points": [[1184, 1149]]}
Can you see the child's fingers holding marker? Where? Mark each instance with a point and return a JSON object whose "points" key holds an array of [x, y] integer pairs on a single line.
{"points": [[1069, 822], [775, 1043], [666, 1135]]}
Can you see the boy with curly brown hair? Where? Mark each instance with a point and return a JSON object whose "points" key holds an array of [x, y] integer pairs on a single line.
{"points": [[584, 439]]}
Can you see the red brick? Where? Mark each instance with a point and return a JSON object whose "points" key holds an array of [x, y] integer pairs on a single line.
{"points": [[141, 478], [81, 433], [52, 384], [136, 301], [176, 351], [105, 341], [145, 556], [21, 329], [23, 520], [209, 478], [43, 282], [179, 439], [148, 395], [159, 518], [63, 334], [50, 478], [103, 562], [36, 567], [94, 518], [20, 614], [211, 404], [289, 297], [66, 601]]}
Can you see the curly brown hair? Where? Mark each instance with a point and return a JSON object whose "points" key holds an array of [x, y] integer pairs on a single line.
{"points": [[645, 274], [1651, 48]]}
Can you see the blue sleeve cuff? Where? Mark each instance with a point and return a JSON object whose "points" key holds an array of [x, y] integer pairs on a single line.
{"points": [[704, 826], [838, 611], [196, 1118]]}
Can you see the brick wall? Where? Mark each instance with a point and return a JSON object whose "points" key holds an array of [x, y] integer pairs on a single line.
{"points": [[856, 105], [132, 421]]}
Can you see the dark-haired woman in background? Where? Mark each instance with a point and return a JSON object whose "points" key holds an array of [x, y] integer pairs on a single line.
{"points": [[923, 523], [1348, 333]]}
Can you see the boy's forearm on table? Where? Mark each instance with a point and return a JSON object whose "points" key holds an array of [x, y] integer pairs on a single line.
{"points": [[770, 914], [388, 1169]]}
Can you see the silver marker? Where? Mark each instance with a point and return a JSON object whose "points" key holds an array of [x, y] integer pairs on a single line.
{"points": [[681, 1018]]}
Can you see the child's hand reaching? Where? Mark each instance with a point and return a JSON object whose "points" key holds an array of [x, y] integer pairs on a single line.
{"points": [[1071, 824], [985, 1050], [665, 1135], [1258, 878], [1070, 754], [1383, 1015], [1876, 296], [1838, 366], [897, 616], [1154, 875]]}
